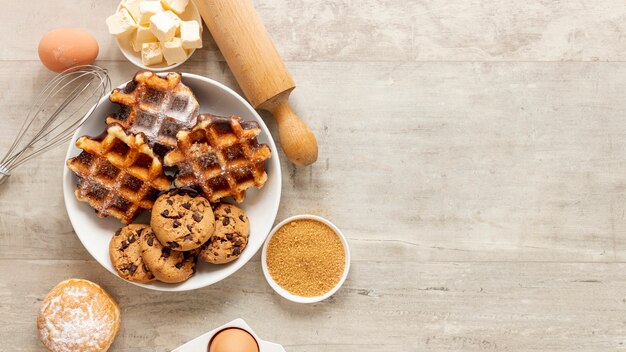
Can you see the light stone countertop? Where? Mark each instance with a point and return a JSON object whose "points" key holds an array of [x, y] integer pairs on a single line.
{"points": [[473, 152]]}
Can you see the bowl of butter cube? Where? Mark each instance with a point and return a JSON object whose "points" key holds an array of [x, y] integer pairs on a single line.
{"points": [[156, 35]]}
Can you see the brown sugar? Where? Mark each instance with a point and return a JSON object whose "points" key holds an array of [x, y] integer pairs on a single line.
{"points": [[306, 258]]}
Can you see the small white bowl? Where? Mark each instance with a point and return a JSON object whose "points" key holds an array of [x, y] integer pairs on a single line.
{"points": [[191, 14], [288, 295]]}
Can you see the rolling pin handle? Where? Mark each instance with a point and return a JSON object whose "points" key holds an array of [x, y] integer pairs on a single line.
{"points": [[299, 143]]}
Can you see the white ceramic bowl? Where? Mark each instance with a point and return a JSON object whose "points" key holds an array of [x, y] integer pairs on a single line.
{"points": [[288, 295], [261, 205], [191, 14]]}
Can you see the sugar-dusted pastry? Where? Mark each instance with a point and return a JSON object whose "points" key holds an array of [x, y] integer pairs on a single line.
{"points": [[78, 315]]}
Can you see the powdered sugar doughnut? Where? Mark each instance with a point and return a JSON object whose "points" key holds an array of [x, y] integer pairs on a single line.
{"points": [[78, 315]]}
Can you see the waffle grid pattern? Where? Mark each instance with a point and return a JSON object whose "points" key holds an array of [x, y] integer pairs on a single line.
{"points": [[156, 106], [220, 156], [119, 175]]}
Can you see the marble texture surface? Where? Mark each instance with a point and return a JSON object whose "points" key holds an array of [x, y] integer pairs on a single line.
{"points": [[473, 152]]}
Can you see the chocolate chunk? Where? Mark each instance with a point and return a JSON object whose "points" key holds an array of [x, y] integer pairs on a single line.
{"points": [[165, 252], [241, 218], [236, 251], [125, 245], [227, 210], [173, 244], [166, 214], [131, 239], [215, 254], [170, 201], [179, 265], [188, 237], [176, 224], [118, 232], [186, 205], [150, 241], [189, 227], [225, 221], [139, 232], [132, 268], [229, 236], [197, 217]]}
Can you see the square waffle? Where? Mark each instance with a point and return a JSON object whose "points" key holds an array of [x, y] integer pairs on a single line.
{"points": [[118, 175], [220, 156], [156, 106]]}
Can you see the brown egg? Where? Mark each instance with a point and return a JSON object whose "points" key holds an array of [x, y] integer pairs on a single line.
{"points": [[233, 340], [63, 48]]}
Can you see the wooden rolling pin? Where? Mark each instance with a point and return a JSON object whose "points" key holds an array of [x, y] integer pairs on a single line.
{"points": [[259, 70]]}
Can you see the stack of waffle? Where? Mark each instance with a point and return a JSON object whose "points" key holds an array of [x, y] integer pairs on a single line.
{"points": [[122, 173]]}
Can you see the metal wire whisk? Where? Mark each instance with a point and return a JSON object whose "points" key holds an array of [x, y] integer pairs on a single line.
{"points": [[56, 113]]}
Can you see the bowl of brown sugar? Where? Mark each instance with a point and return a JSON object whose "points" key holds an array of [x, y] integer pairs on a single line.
{"points": [[305, 259]]}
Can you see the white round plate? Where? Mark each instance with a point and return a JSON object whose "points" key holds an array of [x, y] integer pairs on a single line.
{"points": [[191, 14], [288, 295], [261, 205]]}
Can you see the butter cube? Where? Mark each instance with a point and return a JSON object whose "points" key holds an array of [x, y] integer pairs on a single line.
{"points": [[143, 35], [121, 23], [132, 6], [173, 51], [151, 54], [178, 6], [164, 25], [147, 9], [190, 34]]}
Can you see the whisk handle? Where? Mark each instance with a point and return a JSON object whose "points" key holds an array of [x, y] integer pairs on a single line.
{"points": [[4, 174]]}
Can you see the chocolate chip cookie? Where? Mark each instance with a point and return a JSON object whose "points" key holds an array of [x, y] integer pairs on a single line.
{"points": [[125, 253], [182, 221], [166, 265], [232, 229]]}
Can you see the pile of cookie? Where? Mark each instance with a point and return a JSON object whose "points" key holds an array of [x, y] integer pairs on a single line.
{"points": [[122, 173], [184, 227]]}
